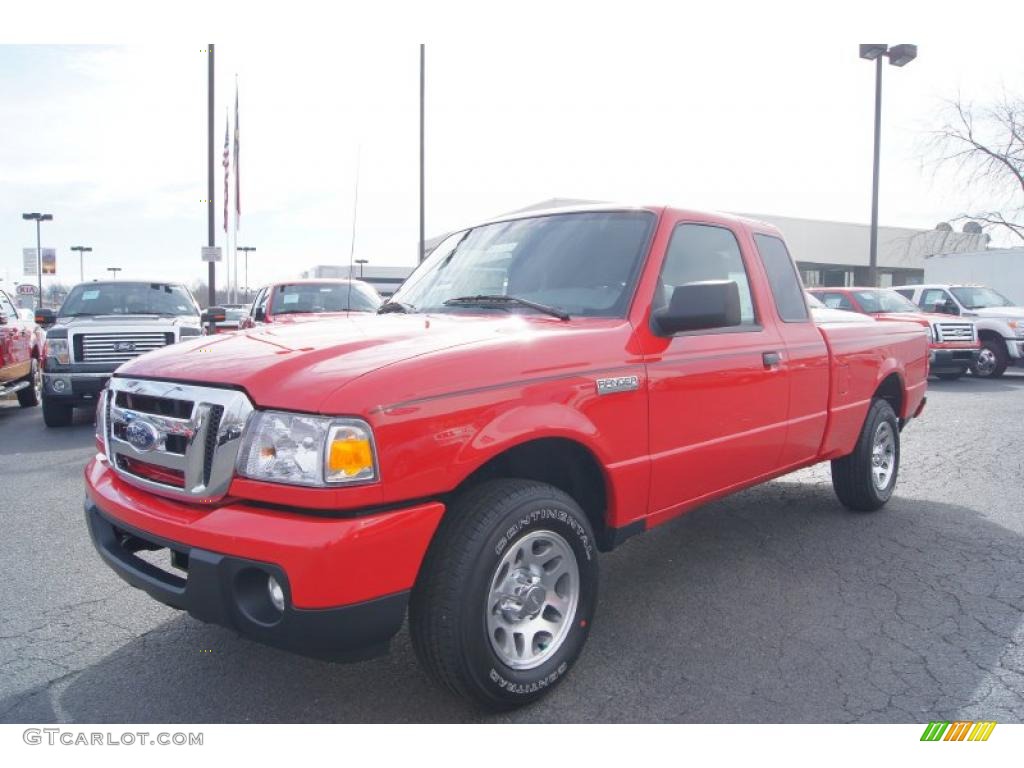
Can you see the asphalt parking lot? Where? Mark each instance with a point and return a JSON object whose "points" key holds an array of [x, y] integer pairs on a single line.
{"points": [[775, 605]]}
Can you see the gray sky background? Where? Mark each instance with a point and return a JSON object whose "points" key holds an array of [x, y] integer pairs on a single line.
{"points": [[732, 108]]}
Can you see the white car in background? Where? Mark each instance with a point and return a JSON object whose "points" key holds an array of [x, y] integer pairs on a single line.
{"points": [[999, 322]]}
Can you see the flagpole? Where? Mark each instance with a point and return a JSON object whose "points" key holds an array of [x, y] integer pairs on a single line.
{"points": [[423, 80], [238, 182], [211, 228]]}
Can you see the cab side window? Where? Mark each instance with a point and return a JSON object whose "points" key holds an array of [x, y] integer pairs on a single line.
{"points": [[701, 252], [932, 296], [259, 305], [7, 308]]}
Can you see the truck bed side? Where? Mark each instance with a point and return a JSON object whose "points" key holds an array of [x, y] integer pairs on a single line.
{"points": [[864, 359]]}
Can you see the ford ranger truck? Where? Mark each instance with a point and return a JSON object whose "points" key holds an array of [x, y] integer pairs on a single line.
{"points": [[953, 345], [21, 346], [101, 325], [540, 389], [1000, 324]]}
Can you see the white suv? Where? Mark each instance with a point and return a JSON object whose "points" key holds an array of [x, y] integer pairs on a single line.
{"points": [[1000, 324]]}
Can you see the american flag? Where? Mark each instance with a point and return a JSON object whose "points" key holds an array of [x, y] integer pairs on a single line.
{"points": [[226, 173], [238, 180]]}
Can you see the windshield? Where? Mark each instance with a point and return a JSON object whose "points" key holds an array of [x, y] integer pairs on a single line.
{"points": [[124, 298], [311, 298], [579, 263], [873, 302], [977, 297]]}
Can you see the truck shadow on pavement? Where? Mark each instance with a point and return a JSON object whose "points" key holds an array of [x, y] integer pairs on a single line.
{"points": [[775, 605]]}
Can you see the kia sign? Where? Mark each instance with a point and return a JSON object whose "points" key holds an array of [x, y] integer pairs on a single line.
{"points": [[26, 289]]}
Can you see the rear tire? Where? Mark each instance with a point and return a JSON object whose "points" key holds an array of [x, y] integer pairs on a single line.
{"points": [[503, 603], [57, 414], [864, 480], [29, 397], [992, 360]]}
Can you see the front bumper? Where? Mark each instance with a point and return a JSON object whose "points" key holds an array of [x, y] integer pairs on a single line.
{"points": [[950, 360], [75, 389], [346, 580]]}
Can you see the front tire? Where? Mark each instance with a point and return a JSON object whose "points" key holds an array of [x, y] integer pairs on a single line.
{"points": [[57, 414], [29, 396], [506, 594], [865, 479], [992, 360]]}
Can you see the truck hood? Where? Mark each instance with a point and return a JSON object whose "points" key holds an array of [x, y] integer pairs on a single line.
{"points": [[297, 365], [999, 313], [133, 320]]}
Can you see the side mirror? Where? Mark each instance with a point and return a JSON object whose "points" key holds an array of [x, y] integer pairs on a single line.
{"points": [[259, 315], [45, 317], [946, 307], [214, 315], [700, 306], [3, 319]]}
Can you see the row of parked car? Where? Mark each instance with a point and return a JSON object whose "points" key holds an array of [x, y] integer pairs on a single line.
{"points": [[970, 327], [63, 358]]}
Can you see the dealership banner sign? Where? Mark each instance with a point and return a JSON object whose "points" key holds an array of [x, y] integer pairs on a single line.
{"points": [[29, 261]]}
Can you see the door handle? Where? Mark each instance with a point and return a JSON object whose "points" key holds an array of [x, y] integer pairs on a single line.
{"points": [[771, 358]]}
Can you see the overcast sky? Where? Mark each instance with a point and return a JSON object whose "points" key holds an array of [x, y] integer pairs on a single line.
{"points": [[732, 109]]}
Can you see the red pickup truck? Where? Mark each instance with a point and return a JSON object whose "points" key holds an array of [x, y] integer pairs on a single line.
{"points": [[21, 349], [542, 388]]}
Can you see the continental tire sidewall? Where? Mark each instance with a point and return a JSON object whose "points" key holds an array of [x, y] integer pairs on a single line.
{"points": [[505, 686]]}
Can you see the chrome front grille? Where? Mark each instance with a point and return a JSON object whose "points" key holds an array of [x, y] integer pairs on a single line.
{"points": [[955, 332], [177, 440], [117, 347]]}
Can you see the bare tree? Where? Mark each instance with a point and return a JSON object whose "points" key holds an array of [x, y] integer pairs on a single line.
{"points": [[985, 147]]}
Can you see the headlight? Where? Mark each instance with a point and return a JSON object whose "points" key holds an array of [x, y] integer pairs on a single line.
{"points": [[1017, 325], [307, 450], [58, 350]]}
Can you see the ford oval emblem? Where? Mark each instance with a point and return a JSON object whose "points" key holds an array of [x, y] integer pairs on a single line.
{"points": [[124, 346], [141, 435]]}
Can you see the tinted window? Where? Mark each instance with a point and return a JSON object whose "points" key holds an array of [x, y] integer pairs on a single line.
{"points": [[582, 263], [907, 293], [783, 279], [701, 252]]}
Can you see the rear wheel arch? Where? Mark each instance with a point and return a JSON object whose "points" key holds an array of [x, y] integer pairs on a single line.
{"points": [[892, 390]]}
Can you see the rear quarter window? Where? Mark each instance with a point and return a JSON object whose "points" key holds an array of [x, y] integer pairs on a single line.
{"points": [[783, 279]]}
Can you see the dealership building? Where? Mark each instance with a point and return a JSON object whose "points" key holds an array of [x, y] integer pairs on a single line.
{"points": [[828, 253]]}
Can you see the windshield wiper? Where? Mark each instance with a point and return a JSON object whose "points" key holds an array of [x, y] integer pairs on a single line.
{"points": [[394, 306], [499, 299]]}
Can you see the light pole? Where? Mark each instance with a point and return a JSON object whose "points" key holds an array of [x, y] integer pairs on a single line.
{"points": [[82, 250], [38, 218], [899, 56], [114, 271], [245, 249], [360, 262]]}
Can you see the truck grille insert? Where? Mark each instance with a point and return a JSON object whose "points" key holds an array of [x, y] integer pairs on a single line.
{"points": [[955, 332], [177, 440], [117, 347]]}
